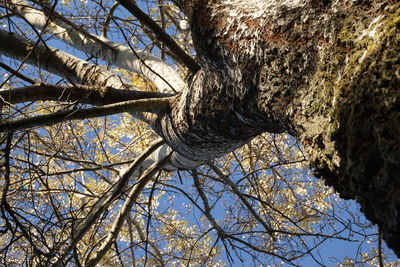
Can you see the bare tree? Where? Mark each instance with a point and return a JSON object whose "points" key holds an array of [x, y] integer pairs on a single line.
{"points": [[208, 78]]}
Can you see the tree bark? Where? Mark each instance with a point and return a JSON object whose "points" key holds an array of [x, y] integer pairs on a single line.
{"points": [[326, 72], [163, 76], [55, 61]]}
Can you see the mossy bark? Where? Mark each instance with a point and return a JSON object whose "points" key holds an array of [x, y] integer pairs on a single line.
{"points": [[353, 135], [326, 72]]}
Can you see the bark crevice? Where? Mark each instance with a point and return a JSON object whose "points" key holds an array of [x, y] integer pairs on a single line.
{"points": [[325, 72]]}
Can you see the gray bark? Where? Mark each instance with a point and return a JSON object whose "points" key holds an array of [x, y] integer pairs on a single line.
{"points": [[156, 71], [326, 72], [55, 61]]}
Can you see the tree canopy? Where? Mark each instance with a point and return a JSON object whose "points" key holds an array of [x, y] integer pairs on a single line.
{"points": [[93, 103]]}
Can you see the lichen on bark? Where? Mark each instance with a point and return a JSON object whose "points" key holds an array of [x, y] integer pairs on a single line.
{"points": [[327, 72], [353, 139]]}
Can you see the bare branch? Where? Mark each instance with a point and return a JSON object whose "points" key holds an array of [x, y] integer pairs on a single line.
{"points": [[161, 35], [85, 94], [105, 200], [55, 61], [131, 198], [162, 75], [154, 105], [142, 236], [16, 73], [207, 208], [107, 20], [237, 192]]}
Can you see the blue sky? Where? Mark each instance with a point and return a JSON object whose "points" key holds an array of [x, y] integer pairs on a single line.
{"points": [[331, 252]]}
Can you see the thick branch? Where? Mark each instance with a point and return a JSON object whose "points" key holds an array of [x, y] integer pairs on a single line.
{"points": [[55, 61], [65, 65], [154, 105], [162, 75], [85, 94]]}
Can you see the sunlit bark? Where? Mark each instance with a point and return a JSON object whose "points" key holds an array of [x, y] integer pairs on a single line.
{"points": [[164, 77], [55, 61], [77, 71], [326, 72]]}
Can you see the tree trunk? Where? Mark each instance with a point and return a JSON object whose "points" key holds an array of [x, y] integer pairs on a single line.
{"points": [[326, 72]]}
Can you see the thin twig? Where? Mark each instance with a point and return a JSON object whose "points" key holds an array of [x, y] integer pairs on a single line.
{"points": [[380, 253], [16, 73], [237, 192], [106, 200], [130, 200], [190, 63]]}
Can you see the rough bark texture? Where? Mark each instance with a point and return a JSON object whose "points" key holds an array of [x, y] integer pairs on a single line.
{"points": [[156, 71], [55, 61], [326, 72]]}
